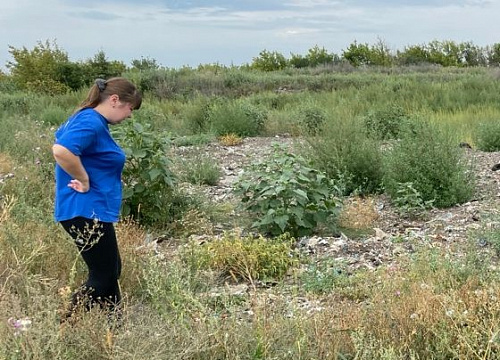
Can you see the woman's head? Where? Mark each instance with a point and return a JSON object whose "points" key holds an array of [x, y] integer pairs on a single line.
{"points": [[103, 89]]}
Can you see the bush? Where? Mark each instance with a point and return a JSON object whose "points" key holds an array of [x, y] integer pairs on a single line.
{"points": [[347, 155], [236, 117], [284, 194], [152, 115], [18, 103], [429, 159], [311, 119], [147, 177], [487, 137], [54, 115], [230, 140], [386, 123]]}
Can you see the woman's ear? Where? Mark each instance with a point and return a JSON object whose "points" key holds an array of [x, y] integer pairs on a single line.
{"points": [[114, 99]]}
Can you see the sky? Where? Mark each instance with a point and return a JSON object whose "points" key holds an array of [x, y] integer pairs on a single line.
{"points": [[180, 33]]}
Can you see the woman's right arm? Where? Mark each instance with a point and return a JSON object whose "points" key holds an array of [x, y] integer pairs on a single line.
{"points": [[73, 166]]}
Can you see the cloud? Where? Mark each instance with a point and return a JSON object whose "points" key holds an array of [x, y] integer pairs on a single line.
{"points": [[94, 15], [179, 32]]}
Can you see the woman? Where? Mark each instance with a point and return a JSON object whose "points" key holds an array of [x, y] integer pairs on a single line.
{"points": [[89, 165]]}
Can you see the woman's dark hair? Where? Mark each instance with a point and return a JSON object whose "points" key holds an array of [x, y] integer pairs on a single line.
{"points": [[102, 89]]}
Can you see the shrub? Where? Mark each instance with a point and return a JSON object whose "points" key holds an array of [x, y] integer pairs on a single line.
{"points": [[18, 103], [487, 137], [201, 170], [245, 258], [236, 117], [284, 194], [147, 176], [54, 115], [152, 115], [429, 158], [269, 61], [386, 123], [347, 155], [196, 115], [311, 119]]}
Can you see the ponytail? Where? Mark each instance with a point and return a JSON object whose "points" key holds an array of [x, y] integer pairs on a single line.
{"points": [[102, 89]]}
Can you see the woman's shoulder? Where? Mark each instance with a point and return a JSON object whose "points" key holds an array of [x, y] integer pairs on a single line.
{"points": [[87, 118]]}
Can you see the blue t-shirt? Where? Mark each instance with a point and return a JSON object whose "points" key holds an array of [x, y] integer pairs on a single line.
{"points": [[86, 134]]}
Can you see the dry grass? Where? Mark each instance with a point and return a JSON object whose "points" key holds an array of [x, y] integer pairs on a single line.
{"points": [[230, 140], [6, 164], [358, 213]]}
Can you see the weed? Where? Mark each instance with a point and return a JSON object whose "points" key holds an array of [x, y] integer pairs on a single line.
{"points": [[409, 201], [284, 194], [201, 170]]}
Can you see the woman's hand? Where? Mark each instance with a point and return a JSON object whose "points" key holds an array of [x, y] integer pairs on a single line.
{"points": [[77, 185]]}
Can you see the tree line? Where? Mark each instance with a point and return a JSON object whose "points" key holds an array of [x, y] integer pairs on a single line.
{"points": [[47, 68]]}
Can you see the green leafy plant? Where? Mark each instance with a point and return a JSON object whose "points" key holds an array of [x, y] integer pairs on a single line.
{"points": [[344, 152], [147, 176], [284, 194], [409, 200]]}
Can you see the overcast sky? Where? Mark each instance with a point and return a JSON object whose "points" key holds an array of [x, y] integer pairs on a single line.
{"points": [[183, 32]]}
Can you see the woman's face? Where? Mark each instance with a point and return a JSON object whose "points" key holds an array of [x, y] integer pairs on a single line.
{"points": [[120, 112]]}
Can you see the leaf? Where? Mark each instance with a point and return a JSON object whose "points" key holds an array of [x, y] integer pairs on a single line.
{"points": [[139, 153], [138, 127], [153, 174], [301, 193], [282, 221], [139, 188], [127, 192]]}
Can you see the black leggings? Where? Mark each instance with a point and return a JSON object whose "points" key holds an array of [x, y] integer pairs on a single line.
{"points": [[96, 241]]}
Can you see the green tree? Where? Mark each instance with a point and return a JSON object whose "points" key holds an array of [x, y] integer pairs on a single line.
{"points": [[319, 56], [445, 53], [472, 55], [413, 55], [144, 64], [494, 55], [298, 61], [380, 54], [357, 54], [39, 69], [269, 61], [100, 67]]}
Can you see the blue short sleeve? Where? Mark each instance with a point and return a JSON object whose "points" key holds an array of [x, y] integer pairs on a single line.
{"points": [[76, 136]]}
